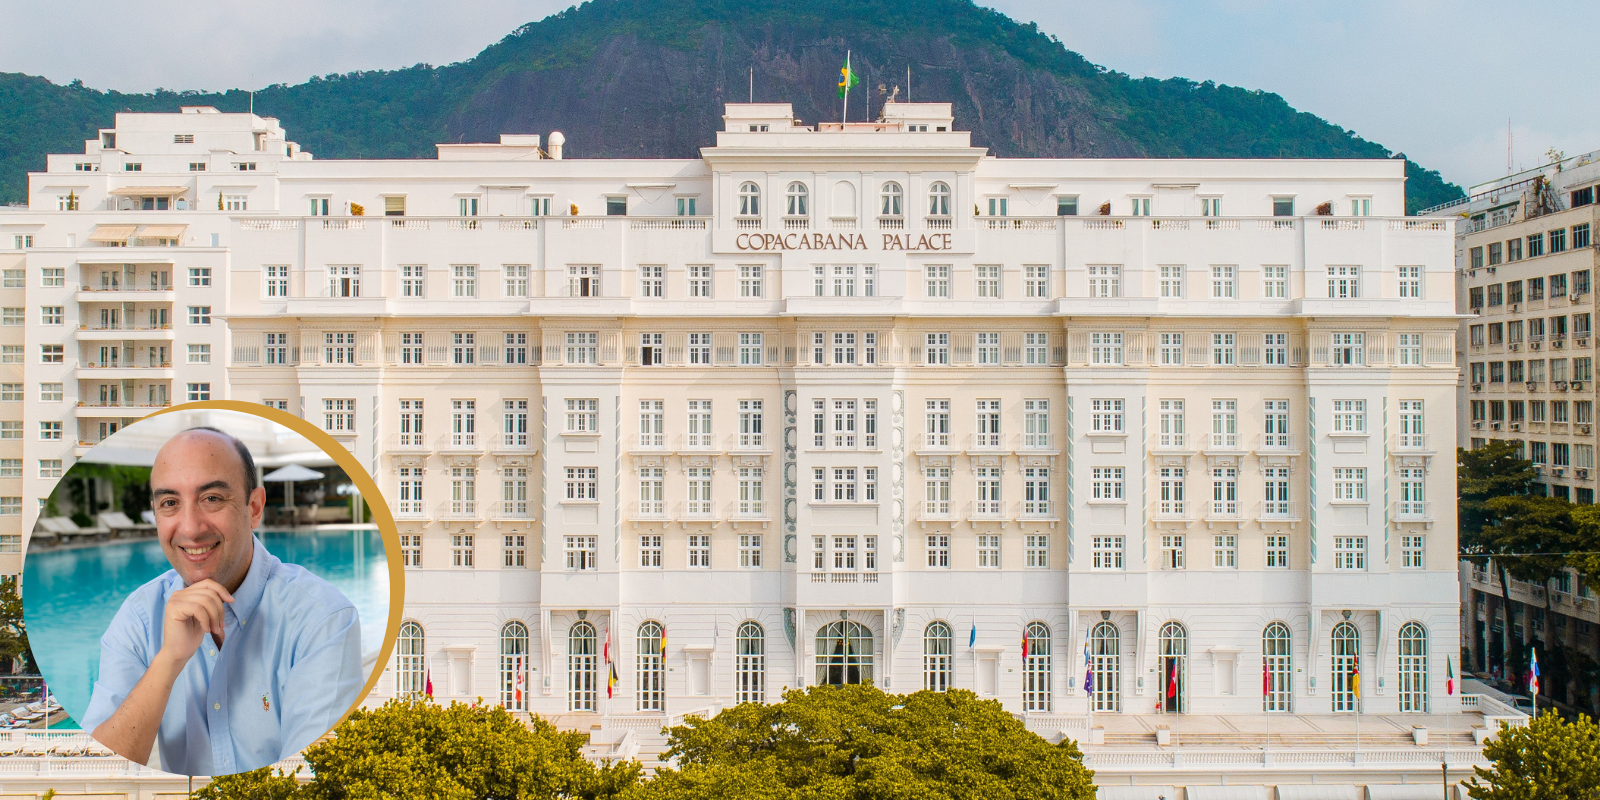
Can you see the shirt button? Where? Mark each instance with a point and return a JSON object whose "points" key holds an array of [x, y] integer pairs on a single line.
{"points": [[216, 706]]}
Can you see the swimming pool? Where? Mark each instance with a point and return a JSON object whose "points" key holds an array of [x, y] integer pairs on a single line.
{"points": [[70, 596]]}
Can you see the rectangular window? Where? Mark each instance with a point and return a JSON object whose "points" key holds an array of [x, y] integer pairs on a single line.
{"points": [[1036, 550], [1107, 483], [1105, 280], [698, 485], [410, 348], [1106, 552], [463, 348], [1105, 348], [582, 484], [652, 496], [1411, 552], [988, 424], [344, 280], [1275, 282], [339, 348], [1035, 349], [1344, 282], [650, 551], [937, 428], [338, 415], [583, 552], [583, 347], [48, 468], [411, 280], [1171, 349], [1350, 552], [1410, 282], [516, 280], [651, 423], [516, 348], [1172, 551], [1349, 416], [199, 354], [1225, 551], [1171, 430], [750, 349], [51, 315], [199, 315], [699, 417], [516, 550], [939, 550], [1275, 419], [751, 493], [464, 281], [1036, 424], [986, 279], [1277, 551], [199, 276], [1349, 349], [988, 551], [1350, 484], [1410, 349], [988, 351], [583, 280], [937, 503], [752, 280], [1036, 492], [700, 281], [583, 415], [11, 392], [938, 349], [1172, 491], [750, 429], [988, 486], [652, 281], [51, 392], [1223, 352], [51, 431], [1558, 242], [1036, 280], [750, 550], [700, 349], [1275, 486], [1106, 416], [1225, 424], [1223, 282], [1171, 280], [937, 281], [1224, 491]]}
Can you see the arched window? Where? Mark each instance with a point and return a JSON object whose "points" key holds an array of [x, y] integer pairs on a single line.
{"points": [[936, 647], [1414, 667], [1278, 668], [939, 199], [650, 667], [582, 664], [514, 666], [844, 653], [1105, 653], [1036, 667], [410, 672], [1346, 650], [1174, 644], [891, 199], [749, 200], [750, 666], [799, 198]]}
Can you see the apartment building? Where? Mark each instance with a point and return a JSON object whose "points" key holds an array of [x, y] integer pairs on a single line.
{"points": [[828, 404], [1526, 253]]}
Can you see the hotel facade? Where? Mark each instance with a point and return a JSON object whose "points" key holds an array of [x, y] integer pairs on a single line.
{"points": [[1102, 439]]}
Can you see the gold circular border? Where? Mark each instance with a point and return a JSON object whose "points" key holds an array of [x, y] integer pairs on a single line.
{"points": [[380, 514]]}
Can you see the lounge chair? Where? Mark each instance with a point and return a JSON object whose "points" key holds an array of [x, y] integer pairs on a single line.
{"points": [[44, 532], [67, 528], [119, 524]]}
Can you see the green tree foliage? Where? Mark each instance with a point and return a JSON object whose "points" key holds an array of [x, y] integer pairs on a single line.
{"points": [[419, 749], [1483, 474], [647, 78], [1550, 759], [13, 633], [856, 742], [1538, 529]]}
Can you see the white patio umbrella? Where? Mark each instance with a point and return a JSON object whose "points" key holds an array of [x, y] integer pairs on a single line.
{"points": [[289, 474]]}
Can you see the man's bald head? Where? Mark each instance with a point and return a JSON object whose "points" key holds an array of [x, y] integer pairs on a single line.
{"points": [[246, 461]]}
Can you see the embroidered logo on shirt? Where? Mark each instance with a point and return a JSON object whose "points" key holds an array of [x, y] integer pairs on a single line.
{"points": [[266, 705]]}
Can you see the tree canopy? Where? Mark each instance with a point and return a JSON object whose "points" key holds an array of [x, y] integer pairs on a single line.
{"points": [[854, 742], [1549, 759]]}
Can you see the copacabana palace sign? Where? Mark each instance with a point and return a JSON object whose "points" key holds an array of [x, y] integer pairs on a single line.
{"points": [[905, 242]]}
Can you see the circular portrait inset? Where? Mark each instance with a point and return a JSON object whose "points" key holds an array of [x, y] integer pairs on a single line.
{"points": [[207, 591]]}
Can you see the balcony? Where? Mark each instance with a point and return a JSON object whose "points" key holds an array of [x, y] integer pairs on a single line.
{"points": [[1412, 443], [1224, 511], [106, 332], [130, 408], [513, 444], [459, 510], [113, 370], [797, 223], [512, 510], [935, 511], [844, 577], [648, 511], [409, 443], [938, 223], [891, 223], [115, 293], [461, 443]]}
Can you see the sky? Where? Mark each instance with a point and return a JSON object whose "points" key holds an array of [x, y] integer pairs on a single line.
{"points": [[1438, 81]]}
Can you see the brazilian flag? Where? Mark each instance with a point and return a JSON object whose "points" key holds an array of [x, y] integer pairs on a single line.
{"points": [[847, 77]]}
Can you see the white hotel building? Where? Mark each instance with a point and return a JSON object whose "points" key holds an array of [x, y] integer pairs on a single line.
{"points": [[825, 404]]}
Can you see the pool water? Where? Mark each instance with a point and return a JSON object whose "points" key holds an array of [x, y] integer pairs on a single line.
{"points": [[70, 597]]}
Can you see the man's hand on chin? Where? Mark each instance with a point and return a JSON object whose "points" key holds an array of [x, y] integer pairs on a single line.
{"points": [[191, 614]]}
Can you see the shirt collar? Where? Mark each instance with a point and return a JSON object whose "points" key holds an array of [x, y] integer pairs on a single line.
{"points": [[249, 593]]}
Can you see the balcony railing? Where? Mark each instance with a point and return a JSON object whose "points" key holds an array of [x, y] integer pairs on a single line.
{"points": [[123, 326], [1412, 510]]}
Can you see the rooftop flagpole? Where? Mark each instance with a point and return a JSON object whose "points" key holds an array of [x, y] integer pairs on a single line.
{"points": [[844, 83]]}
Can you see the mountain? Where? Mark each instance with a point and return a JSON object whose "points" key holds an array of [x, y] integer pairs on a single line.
{"points": [[648, 78]]}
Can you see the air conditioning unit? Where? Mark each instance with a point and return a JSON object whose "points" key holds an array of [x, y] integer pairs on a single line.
{"points": [[1583, 341], [1477, 387], [1514, 307], [1534, 345], [1574, 297], [1477, 424], [1582, 474], [1584, 429], [1516, 426], [1559, 386], [1532, 385], [1491, 270], [1557, 344], [1515, 346], [1558, 471], [1577, 386], [1495, 425]]}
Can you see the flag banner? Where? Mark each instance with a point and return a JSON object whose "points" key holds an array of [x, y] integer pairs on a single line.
{"points": [[1449, 677], [1355, 677], [1533, 672], [428, 690], [972, 638], [1088, 671], [517, 693], [1266, 679], [611, 680], [1172, 678], [1024, 645], [847, 78]]}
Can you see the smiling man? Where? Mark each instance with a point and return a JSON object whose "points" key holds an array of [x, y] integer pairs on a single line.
{"points": [[232, 659]]}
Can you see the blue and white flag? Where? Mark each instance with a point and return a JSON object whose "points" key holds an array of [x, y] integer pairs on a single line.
{"points": [[1088, 671], [972, 638]]}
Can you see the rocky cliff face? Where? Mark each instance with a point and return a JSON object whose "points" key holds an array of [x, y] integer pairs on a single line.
{"points": [[648, 79]]}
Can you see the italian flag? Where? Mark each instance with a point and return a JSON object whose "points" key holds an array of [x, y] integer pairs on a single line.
{"points": [[1449, 677]]}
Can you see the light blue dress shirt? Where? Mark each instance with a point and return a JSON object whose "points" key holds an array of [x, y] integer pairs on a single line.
{"points": [[288, 669]]}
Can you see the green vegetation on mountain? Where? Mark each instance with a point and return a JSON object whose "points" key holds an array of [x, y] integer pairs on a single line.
{"points": [[648, 79]]}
